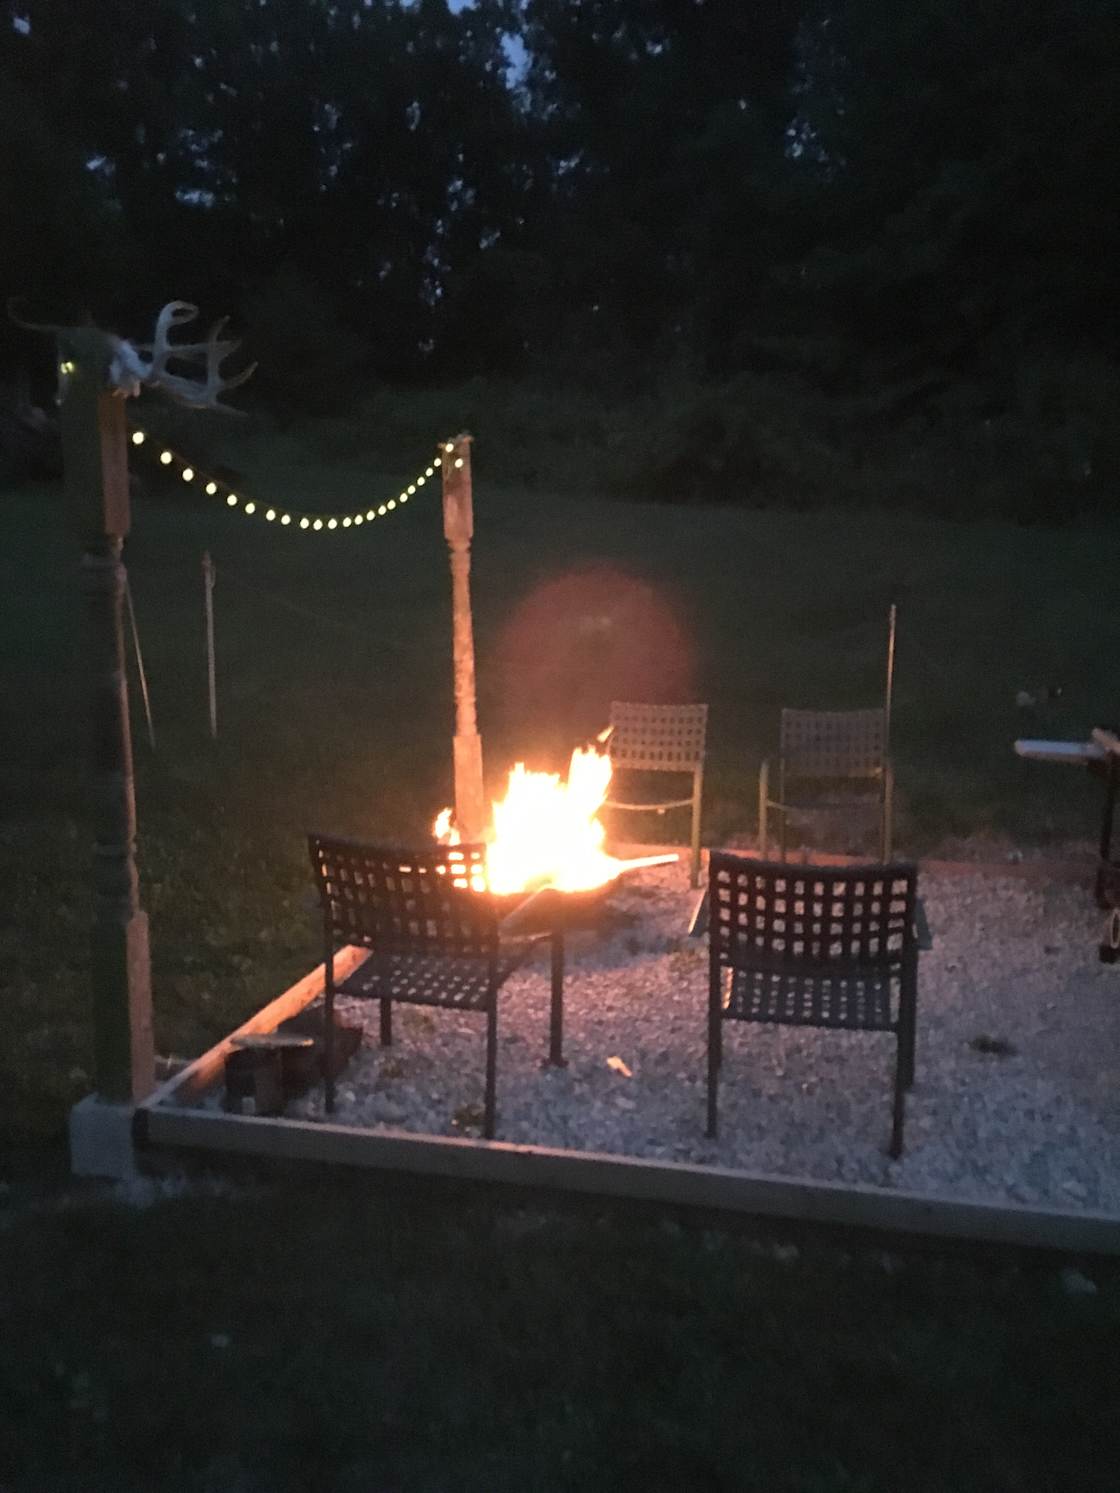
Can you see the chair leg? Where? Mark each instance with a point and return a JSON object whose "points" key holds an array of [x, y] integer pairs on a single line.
{"points": [[715, 1058], [328, 1031], [906, 1038], [763, 804], [386, 1022], [491, 1071], [898, 1115], [697, 796]]}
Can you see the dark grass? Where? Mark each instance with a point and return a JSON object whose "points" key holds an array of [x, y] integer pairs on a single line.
{"points": [[381, 1343], [335, 696], [324, 1336]]}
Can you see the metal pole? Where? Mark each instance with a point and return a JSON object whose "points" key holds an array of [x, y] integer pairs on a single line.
{"points": [[140, 664], [208, 574], [458, 528], [890, 678]]}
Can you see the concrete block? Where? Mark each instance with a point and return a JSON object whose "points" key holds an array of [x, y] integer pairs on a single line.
{"points": [[101, 1140]]}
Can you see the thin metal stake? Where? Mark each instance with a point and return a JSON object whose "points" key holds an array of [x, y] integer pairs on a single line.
{"points": [[890, 676], [140, 664], [208, 574]]}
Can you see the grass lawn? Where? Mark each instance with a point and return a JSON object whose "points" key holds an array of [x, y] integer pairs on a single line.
{"points": [[326, 1337], [415, 1345]]}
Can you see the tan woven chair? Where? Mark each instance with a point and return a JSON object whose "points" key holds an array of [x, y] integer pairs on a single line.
{"points": [[661, 738], [828, 760]]}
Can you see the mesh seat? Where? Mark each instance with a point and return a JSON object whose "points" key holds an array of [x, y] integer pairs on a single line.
{"points": [[664, 739], [434, 939], [813, 946], [832, 761]]}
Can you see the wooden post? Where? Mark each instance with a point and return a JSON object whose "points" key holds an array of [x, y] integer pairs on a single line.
{"points": [[892, 621], [208, 604], [458, 528], [95, 455]]}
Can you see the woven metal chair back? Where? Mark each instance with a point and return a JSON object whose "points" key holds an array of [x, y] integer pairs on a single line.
{"points": [[833, 743], [401, 901], [658, 738], [783, 918]]}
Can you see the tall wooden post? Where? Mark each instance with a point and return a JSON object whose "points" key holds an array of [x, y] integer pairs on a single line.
{"points": [[95, 456], [458, 528]]}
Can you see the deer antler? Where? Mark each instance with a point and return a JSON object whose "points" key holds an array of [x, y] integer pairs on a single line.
{"points": [[192, 392]]}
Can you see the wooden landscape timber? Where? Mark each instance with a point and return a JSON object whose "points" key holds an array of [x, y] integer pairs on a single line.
{"points": [[169, 1123]]}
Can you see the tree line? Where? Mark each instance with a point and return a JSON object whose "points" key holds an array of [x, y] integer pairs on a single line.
{"points": [[905, 211]]}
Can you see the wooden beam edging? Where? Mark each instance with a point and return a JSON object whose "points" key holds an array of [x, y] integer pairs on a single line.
{"points": [[204, 1071], [715, 1189]]}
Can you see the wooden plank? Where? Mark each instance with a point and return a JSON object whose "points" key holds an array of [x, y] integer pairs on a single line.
{"points": [[672, 1183], [207, 1069], [1076, 753]]}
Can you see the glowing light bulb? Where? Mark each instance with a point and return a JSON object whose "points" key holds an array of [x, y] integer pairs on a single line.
{"points": [[419, 483], [347, 521], [271, 514], [449, 447], [332, 523], [285, 518], [458, 461], [430, 470], [392, 503], [232, 500], [438, 461], [166, 458], [404, 497], [381, 511], [305, 523], [358, 519], [250, 507], [370, 514], [187, 474], [318, 524], [211, 488], [137, 437]]}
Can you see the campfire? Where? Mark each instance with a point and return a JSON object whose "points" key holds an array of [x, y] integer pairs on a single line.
{"points": [[546, 832]]}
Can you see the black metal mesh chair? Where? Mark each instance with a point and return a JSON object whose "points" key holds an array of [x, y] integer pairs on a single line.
{"points": [[662, 738], [434, 940], [813, 946], [829, 760]]}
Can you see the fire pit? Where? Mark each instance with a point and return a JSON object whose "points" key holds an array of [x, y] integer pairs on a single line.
{"points": [[546, 866]]}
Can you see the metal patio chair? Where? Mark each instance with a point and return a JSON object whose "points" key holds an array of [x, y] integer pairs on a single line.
{"points": [[814, 946], [661, 738], [433, 941], [828, 760]]}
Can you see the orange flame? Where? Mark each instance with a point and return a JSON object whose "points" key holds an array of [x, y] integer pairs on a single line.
{"points": [[547, 832]]}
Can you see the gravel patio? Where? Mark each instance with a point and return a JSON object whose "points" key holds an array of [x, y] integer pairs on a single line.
{"points": [[1015, 1092]]}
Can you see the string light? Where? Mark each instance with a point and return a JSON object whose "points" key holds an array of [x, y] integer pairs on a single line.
{"points": [[307, 522]]}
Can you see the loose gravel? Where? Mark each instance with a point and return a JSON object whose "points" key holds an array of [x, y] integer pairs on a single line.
{"points": [[1015, 1097]]}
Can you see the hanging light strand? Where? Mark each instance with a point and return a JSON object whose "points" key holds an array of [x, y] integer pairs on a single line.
{"points": [[283, 516]]}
